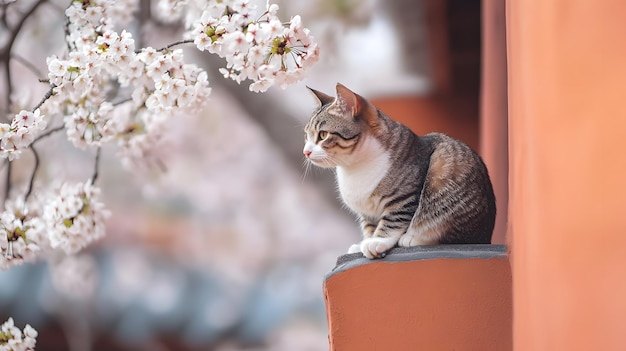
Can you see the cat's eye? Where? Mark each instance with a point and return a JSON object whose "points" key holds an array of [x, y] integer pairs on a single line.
{"points": [[323, 135]]}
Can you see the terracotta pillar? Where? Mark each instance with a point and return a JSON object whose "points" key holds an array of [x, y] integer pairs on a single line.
{"points": [[493, 109], [567, 108]]}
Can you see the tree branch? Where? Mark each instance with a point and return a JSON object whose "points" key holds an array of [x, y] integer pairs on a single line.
{"points": [[96, 166], [5, 52], [7, 185], [144, 15], [32, 176], [48, 95], [180, 42], [3, 16], [9, 88], [36, 155], [48, 133], [27, 64]]}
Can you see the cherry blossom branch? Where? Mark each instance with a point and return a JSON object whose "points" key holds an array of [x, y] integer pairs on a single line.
{"points": [[48, 95], [31, 67], [176, 43], [9, 85], [36, 155], [103, 62], [15, 339], [123, 101], [5, 51], [66, 28], [33, 174], [3, 16], [18, 27], [143, 17], [48, 133], [7, 184], [96, 167]]}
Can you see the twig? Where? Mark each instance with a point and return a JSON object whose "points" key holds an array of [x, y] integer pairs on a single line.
{"points": [[36, 155], [3, 16], [5, 51], [180, 42], [143, 16], [70, 46], [48, 95], [32, 176], [27, 64], [123, 101], [9, 87], [48, 132], [96, 166], [7, 185]]}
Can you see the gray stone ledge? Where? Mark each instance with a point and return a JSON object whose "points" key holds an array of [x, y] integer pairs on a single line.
{"points": [[402, 254]]}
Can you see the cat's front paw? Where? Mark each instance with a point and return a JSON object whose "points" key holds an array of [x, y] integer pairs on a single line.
{"points": [[354, 248], [408, 240], [376, 247], [413, 239]]}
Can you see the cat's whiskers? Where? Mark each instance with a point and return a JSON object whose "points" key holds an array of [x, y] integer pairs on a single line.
{"points": [[306, 163], [329, 161]]}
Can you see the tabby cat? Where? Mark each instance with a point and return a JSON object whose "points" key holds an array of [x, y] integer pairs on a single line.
{"points": [[407, 190]]}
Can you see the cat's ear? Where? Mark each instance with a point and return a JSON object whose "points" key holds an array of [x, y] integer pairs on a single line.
{"points": [[350, 101], [322, 98], [360, 107]]}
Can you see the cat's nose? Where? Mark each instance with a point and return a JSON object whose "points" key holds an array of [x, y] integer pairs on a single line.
{"points": [[307, 153]]}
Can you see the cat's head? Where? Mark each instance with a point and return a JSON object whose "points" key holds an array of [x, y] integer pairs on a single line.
{"points": [[338, 127]]}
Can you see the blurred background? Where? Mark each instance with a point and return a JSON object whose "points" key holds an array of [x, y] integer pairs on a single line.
{"points": [[227, 245]]}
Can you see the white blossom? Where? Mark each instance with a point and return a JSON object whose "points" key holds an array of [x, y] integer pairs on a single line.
{"points": [[160, 80], [23, 237], [106, 90], [75, 217], [20, 133], [16, 243], [102, 59], [256, 47], [64, 218], [266, 52], [170, 10], [87, 126], [13, 339]]}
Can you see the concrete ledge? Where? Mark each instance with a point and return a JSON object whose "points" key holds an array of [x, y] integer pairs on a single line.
{"points": [[400, 254], [446, 297]]}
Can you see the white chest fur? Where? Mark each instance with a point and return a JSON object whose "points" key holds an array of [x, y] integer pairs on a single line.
{"points": [[358, 180]]}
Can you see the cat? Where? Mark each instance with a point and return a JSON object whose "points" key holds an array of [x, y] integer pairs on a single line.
{"points": [[406, 189]]}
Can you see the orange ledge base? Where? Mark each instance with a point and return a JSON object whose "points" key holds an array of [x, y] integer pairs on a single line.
{"points": [[438, 298]]}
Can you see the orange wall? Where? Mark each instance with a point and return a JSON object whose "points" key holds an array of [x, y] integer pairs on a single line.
{"points": [[456, 116], [567, 108]]}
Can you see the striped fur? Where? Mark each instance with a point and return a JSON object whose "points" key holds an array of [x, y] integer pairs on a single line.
{"points": [[406, 189]]}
